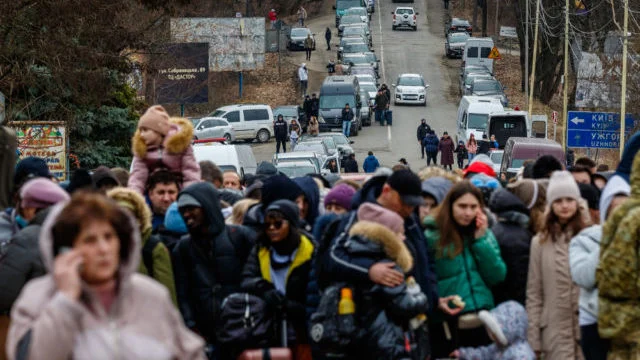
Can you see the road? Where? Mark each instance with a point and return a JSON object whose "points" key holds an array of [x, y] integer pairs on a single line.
{"points": [[399, 51]]}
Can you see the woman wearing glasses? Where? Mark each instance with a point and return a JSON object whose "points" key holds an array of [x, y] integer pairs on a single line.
{"points": [[278, 270]]}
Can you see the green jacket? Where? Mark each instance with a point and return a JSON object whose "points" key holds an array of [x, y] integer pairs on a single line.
{"points": [[470, 273], [162, 268]]}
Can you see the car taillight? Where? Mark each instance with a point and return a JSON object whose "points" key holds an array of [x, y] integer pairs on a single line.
{"points": [[452, 28], [414, 17], [394, 16], [469, 28]]}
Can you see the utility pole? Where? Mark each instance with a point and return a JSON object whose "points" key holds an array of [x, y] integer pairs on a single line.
{"points": [[623, 95], [565, 79], [496, 30], [535, 56], [526, 55]]}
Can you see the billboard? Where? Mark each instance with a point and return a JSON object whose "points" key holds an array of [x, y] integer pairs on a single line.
{"points": [[235, 44], [182, 74], [46, 140]]}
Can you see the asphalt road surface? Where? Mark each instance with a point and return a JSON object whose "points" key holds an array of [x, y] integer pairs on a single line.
{"points": [[399, 51]]}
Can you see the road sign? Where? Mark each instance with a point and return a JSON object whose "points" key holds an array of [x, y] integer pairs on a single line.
{"points": [[596, 130], [494, 54], [554, 117], [508, 32]]}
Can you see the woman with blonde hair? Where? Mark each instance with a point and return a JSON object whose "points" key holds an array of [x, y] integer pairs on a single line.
{"points": [[552, 297], [239, 209]]}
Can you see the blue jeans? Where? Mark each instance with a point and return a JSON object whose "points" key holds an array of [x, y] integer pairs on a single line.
{"points": [[470, 156], [380, 116], [346, 128]]}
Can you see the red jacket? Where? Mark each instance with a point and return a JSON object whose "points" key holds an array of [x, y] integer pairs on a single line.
{"points": [[272, 15]]}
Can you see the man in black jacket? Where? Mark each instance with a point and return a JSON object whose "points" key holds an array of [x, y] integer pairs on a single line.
{"points": [[382, 104], [347, 118], [315, 106], [208, 262], [351, 165], [280, 131], [423, 130]]}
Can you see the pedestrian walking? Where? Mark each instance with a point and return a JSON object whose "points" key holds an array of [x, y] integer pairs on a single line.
{"points": [[327, 36], [331, 67], [315, 105], [423, 130], [347, 118], [302, 15], [351, 165], [280, 131], [303, 77], [552, 296], [294, 134], [446, 4], [313, 128], [472, 147], [382, 104], [446, 148], [273, 18], [431, 143], [92, 301], [371, 163], [308, 46], [306, 106], [461, 152], [483, 145]]}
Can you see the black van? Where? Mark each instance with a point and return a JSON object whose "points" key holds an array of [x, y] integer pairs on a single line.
{"points": [[336, 91]]}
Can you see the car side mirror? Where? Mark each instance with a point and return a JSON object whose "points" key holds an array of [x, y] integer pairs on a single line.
{"points": [[392, 13], [426, 86], [352, 142]]}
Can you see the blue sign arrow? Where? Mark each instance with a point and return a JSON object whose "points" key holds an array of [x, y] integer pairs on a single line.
{"points": [[597, 130]]}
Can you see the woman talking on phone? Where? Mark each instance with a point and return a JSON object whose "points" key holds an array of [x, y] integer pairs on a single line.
{"points": [[92, 304], [467, 263]]}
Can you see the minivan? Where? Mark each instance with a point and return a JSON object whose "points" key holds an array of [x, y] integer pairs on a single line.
{"points": [[476, 52], [335, 92], [520, 149], [250, 121], [473, 114], [238, 158]]}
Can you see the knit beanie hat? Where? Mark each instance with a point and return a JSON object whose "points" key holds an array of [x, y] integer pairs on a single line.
{"points": [[562, 185], [30, 167], [279, 187], [340, 195], [41, 193], [526, 190], [380, 215], [155, 118], [288, 209], [173, 221], [103, 175]]}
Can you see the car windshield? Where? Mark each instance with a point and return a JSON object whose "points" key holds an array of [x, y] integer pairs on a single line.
{"points": [[459, 22], [410, 81], [300, 32], [336, 101], [496, 157], [478, 121], [353, 30], [458, 37], [356, 11], [217, 113], [471, 78], [404, 11], [356, 48], [339, 139], [476, 69], [296, 170], [371, 57], [315, 147], [289, 112], [365, 77], [369, 87], [345, 4], [350, 19], [194, 122], [355, 59], [487, 86]]}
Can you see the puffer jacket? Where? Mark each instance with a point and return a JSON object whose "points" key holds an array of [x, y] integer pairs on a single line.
{"points": [[208, 269], [471, 273], [511, 318], [511, 232], [8, 224], [384, 312], [584, 254], [175, 154], [22, 262], [142, 322], [430, 143]]}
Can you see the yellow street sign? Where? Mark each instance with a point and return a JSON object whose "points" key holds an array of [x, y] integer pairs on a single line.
{"points": [[494, 54]]}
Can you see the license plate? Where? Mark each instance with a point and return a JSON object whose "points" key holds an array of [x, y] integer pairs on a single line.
{"points": [[336, 130]]}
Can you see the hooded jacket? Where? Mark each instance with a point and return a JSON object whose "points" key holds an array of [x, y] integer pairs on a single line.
{"points": [[584, 254], [430, 143], [312, 195], [175, 154], [436, 187], [8, 224], [617, 273], [21, 262], [512, 233], [209, 269], [511, 319], [142, 322], [370, 164]]}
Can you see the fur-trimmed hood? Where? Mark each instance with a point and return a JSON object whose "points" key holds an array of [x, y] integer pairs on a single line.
{"points": [[388, 242], [135, 203], [177, 141]]}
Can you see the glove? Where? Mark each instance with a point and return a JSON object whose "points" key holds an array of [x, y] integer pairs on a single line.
{"points": [[275, 299]]}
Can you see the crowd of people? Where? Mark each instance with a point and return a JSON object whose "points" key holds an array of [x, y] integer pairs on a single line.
{"points": [[182, 260]]}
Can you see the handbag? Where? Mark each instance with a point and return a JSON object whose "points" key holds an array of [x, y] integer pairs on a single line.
{"points": [[245, 321]]}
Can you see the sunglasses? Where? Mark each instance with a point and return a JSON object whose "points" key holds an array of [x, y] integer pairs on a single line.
{"points": [[277, 224]]}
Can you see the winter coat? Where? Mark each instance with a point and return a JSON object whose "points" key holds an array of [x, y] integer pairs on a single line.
{"points": [[175, 154], [312, 195], [584, 255], [370, 164], [280, 130], [314, 127], [423, 131], [347, 114], [617, 273], [351, 166], [315, 106], [327, 34], [256, 279], [512, 233], [511, 317], [430, 143], [208, 269], [472, 148], [21, 262], [142, 322], [446, 148], [382, 101], [390, 308], [461, 152], [552, 300], [8, 224], [471, 273], [272, 15], [303, 74], [483, 147], [308, 43]]}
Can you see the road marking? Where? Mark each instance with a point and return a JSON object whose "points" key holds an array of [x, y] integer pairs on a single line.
{"points": [[389, 136], [384, 77]]}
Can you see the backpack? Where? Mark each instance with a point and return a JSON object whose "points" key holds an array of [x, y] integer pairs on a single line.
{"points": [[147, 253], [331, 334], [245, 321]]}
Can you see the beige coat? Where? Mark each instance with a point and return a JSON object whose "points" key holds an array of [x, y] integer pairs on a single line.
{"points": [[552, 301], [143, 323]]}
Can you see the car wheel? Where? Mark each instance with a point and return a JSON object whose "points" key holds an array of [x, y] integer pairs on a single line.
{"points": [[424, 103], [393, 27], [263, 136], [415, 28], [227, 138]]}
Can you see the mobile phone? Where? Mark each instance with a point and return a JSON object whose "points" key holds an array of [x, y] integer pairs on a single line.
{"points": [[66, 249]]}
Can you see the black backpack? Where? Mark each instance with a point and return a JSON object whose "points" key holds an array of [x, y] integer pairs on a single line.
{"points": [[331, 333], [245, 322]]}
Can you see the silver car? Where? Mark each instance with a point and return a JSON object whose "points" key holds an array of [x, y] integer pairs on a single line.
{"points": [[347, 20], [410, 89], [213, 127], [454, 46], [491, 88], [360, 11]]}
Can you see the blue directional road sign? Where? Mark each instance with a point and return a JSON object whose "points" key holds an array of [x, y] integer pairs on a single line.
{"points": [[596, 130]]}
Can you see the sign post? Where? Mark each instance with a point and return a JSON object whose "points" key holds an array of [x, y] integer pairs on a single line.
{"points": [[596, 130]]}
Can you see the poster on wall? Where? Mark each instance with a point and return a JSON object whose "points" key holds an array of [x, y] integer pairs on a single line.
{"points": [[46, 140]]}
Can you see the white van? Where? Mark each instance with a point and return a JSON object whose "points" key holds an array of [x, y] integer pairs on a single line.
{"points": [[476, 52], [249, 121], [238, 158], [473, 114]]}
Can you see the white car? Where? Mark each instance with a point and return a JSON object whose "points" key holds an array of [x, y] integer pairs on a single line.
{"points": [[213, 127], [405, 17], [410, 89]]}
